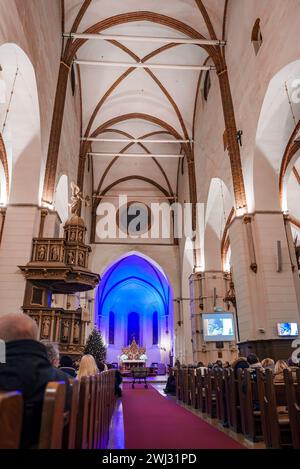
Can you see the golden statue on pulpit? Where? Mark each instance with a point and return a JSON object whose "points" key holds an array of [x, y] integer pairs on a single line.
{"points": [[133, 356]]}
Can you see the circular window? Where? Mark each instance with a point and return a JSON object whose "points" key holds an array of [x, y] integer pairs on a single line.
{"points": [[134, 218]]}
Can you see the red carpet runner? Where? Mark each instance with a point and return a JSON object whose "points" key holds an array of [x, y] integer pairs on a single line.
{"points": [[153, 422]]}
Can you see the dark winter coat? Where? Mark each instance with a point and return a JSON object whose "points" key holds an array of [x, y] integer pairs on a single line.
{"points": [[27, 369]]}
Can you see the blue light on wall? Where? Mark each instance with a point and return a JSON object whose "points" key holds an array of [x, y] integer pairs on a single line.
{"points": [[111, 328], [155, 328], [133, 328], [134, 284]]}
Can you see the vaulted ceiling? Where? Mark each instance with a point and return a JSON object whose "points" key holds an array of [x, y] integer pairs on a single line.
{"points": [[139, 103]]}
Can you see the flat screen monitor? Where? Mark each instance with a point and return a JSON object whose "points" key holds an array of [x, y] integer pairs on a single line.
{"points": [[218, 327], [288, 329]]}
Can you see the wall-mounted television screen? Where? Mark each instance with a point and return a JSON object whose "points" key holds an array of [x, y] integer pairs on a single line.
{"points": [[218, 327], [287, 329]]}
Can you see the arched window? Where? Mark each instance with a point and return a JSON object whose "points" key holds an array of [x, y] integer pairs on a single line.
{"points": [[207, 85], [111, 328], [133, 330], [256, 37], [155, 328]]}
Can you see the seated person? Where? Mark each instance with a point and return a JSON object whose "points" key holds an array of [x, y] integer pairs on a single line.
{"points": [[102, 366], [171, 385], [118, 379], [239, 363], [268, 364], [281, 365], [87, 367], [66, 365], [52, 352], [27, 369], [218, 365], [254, 365]]}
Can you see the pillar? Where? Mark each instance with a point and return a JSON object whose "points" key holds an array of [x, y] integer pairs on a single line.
{"points": [[266, 285], [208, 290], [20, 226]]}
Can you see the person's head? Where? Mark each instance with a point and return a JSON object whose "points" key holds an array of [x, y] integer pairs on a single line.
{"points": [[52, 352], [87, 366], [200, 365], [219, 363], [226, 365], [252, 359], [268, 363], [17, 326], [240, 362], [66, 362], [280, 365]]}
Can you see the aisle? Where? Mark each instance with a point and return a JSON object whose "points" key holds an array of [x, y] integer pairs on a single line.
{"points": [[153, 422]]}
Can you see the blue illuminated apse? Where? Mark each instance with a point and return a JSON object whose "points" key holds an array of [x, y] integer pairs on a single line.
{"points": [[134, 301]]}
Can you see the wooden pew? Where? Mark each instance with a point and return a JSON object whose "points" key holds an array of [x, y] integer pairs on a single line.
{"points": [[113, 398], [221, 411], [232, 401], [69, 436], [210, 393], [53, 415], [97, 425], [201, 402], [105, 435], [192, 387], [11, 414], [100, 410], [276, 425], [91, 412], [250, 413], [82, 416], [185, 386], [293, 404], [263, 408], [179, 380]]}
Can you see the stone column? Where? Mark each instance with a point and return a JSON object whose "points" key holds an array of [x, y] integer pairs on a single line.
{"points": [[178, 331], [21, 225], [267, 293], [52, 225], [208, 290]]}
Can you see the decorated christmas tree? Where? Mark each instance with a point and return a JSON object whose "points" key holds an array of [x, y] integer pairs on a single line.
{"points": [[95, 347]]}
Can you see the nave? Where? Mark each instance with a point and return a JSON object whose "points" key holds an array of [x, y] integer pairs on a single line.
{"points": [[149, 419], [149, 225]]}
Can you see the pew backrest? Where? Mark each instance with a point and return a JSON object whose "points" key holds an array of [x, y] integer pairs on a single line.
{"points": [[71, 424], [11, 413], [53, 416], [292, 389], [82, 415]]}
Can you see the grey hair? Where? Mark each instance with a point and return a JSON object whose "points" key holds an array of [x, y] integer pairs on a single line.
{"points": [[17, 326], [52, 350]]}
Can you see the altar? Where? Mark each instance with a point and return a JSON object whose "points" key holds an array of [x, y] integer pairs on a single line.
{"points": [[133, 356], [128, 364]]}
